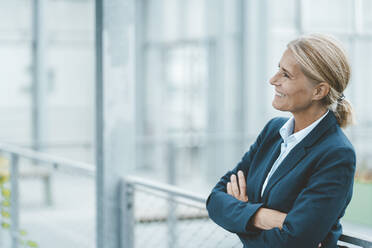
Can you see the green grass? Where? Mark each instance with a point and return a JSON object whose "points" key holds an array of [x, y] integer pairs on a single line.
{"points": [[360, 208]]}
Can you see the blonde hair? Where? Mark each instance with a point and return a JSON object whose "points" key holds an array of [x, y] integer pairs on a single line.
{"points": [[322, 59]]}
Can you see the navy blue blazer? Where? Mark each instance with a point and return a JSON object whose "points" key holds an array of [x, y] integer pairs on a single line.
{"points": [[313, 185]]}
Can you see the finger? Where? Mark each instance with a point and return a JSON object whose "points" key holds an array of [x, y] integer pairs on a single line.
{"points": [[234, 186], [228, 188], [242, 183]]}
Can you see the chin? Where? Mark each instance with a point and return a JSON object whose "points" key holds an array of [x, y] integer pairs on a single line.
{"points": [[275, 105], [278, 106]]}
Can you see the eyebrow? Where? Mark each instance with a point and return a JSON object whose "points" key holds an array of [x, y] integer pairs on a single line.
{"points": [[285, 70]]}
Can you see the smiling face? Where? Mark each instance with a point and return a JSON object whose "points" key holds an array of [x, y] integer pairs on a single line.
{"points": [[293, 90]]}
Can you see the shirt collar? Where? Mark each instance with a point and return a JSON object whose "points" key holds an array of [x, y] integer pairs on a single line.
{"points": [[286, 131]]}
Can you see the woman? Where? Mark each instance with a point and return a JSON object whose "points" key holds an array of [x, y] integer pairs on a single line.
{"points": [[292, 187]]}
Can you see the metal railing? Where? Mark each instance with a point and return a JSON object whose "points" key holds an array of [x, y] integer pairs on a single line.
{"points": [[149, 212], [133, 217], [49, 161], [355, 241], [14, 155], [162, 215]]}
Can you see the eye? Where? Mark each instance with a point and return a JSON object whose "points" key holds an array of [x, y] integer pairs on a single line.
{"points": [[283, 73]]}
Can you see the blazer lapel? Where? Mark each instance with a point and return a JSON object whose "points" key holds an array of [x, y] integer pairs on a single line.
{"points": [[295, 155], [299, 151], [274, 154]]}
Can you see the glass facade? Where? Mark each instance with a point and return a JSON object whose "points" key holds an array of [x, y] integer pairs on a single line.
{"points": [[202, 70]]}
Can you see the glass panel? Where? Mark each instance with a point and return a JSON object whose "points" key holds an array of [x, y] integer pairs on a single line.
{"points": [[367, 15], [194, 23], [173, 20], [15, 15], [327, 15], [74, 16], [186, 77], [361, 70], [173, 16], [15, 93], [282, 14]]}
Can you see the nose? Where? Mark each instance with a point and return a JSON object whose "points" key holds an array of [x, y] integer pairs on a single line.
{"points": [[274, 79]]}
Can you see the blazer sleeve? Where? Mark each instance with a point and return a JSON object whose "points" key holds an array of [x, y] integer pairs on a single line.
{"points": [[318, 206], [225, 210]]}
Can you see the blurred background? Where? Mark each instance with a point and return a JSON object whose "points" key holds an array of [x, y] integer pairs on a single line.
{"points": [[199, 96]]}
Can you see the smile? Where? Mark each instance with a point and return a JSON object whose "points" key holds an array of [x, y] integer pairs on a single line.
{"points": [[279, 94]]}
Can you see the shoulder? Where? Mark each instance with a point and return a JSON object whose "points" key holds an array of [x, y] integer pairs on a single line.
{"points": [[336, 146], [335, 140]]}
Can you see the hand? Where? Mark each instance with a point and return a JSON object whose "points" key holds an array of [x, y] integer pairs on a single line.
{"points": [[267, 219], [237, 189]]}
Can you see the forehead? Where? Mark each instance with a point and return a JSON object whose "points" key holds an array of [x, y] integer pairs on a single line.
{"points": [[289, 62]]}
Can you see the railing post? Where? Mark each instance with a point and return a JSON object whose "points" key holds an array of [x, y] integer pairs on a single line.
{"points": [[48, 190], [14, 203], [126, 208], [172, 215]]}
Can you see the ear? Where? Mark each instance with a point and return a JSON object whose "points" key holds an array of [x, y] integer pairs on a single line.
{"points": [[321, 90]]}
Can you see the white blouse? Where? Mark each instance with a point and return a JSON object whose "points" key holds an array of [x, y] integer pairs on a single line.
{"points": [[290, 140]]}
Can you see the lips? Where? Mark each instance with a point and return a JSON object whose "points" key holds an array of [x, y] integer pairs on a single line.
{"points": [[279, 94]]}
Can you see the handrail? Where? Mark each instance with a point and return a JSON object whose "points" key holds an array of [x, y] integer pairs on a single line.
{"points": [[52, 161], [39, 158], [166, 188], [355, 241], [176, 191]]}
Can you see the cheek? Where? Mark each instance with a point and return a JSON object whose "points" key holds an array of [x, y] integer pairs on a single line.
{"points": [[300, 98], [306, 94], [300, 93]]}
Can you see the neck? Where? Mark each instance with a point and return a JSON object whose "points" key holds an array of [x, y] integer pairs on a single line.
{"points": [[304, 118]]}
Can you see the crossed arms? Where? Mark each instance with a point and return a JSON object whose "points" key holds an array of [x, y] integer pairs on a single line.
{"points": [[316, 209], [264, 218]]}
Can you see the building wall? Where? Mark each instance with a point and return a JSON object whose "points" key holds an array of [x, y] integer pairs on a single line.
{"points": [[70, 75]]}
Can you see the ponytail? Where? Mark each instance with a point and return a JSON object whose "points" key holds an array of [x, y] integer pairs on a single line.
{"points": [[344, 113]]}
